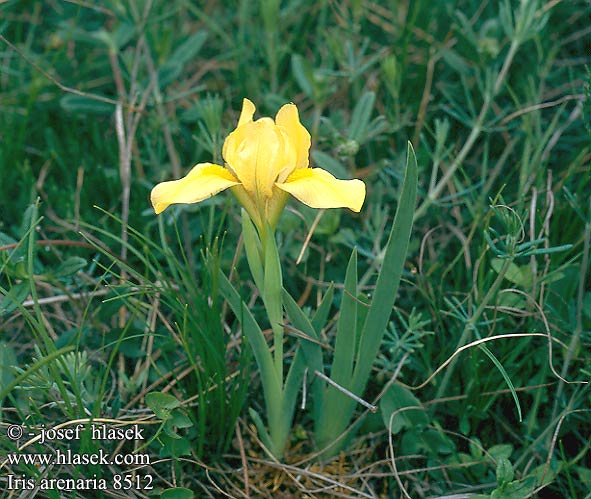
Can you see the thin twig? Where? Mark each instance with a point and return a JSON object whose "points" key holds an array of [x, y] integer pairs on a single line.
{"points": [[542, 105], [350, 394], [244, 460], [309, 235], [476, 343], [56, 82], [51, 242]]}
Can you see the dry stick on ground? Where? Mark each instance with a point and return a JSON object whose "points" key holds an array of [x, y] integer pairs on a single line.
{"points": [[295, 472], [126, 146], [126, 131], [125, 137], [555, 438], [244, 460], [433, 58], [391, 447]]}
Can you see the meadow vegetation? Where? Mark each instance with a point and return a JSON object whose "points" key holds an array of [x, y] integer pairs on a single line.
{"points": [[111, 314]]}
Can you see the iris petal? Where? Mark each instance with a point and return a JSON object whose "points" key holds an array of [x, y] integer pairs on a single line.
{"points": [[265, 161], [203, 181], [248, 109], [317, 188], [289, 119], [257, 152]]}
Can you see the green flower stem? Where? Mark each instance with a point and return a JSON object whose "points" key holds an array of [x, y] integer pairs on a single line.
{"points": [[272, 385], [263, 259], [272, 295]]}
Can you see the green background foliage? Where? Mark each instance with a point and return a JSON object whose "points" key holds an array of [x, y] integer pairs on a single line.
{"points": [[107, 311]]}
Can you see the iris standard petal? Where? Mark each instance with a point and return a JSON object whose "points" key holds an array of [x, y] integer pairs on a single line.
{"points": [[248, 109], [289, 119], [203, 181], [240, 153], [257, 152], [319, 189]]}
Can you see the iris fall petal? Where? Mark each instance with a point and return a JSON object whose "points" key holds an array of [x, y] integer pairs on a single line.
{"points": [[317, 188], [203, 181]]}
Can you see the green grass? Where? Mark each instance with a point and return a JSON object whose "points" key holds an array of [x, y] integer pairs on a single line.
{"points": [[102, 303]]}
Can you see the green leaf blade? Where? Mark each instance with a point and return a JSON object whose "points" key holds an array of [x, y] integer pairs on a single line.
{"points": [[389, 277], [344, 352]]}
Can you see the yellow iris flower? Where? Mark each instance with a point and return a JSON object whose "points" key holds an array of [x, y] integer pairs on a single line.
{"points": [[266, 161]]}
